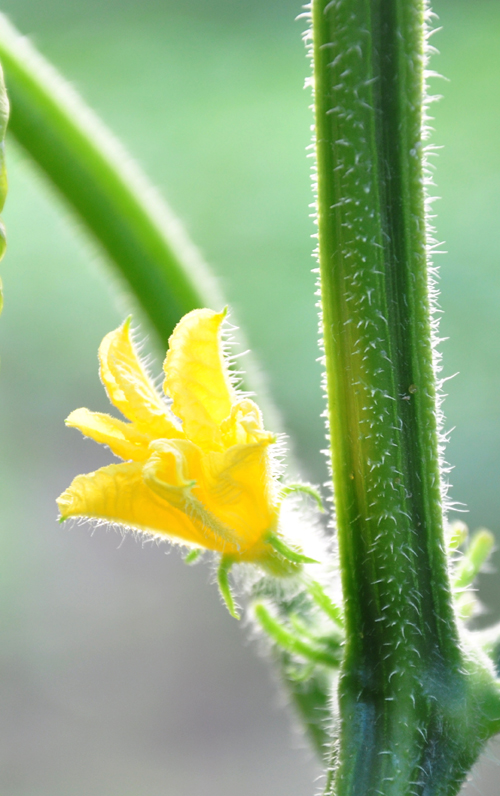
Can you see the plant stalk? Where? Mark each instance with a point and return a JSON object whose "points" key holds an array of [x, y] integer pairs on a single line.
{"points": [[112, 198], [104, 187], [409, 694]]}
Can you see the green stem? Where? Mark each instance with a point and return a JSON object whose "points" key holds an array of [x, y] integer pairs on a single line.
{"points": [[292, 643], [404, 682], [112, 197], [104, 187], [324, 602]]}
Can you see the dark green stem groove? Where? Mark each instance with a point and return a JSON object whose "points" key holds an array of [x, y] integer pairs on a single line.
{"points": [[415, 709]]}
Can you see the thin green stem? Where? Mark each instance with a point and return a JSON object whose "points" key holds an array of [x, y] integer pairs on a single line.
{"points": [[304, 489], [403, 683], [108, 192], [292, 643], [288, 553], [324, 602]]}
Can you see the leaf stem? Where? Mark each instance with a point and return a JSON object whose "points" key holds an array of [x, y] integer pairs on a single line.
{"points": [[106, 189], [112, 197]]}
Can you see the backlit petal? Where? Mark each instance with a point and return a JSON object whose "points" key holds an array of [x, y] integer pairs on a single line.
{"points": [[227, 494], [237, 488], [117, 493], [123, 438], [175, 472], [244, 425], [129, 387], [196, 377]]}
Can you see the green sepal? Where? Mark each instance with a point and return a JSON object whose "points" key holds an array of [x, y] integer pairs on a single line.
{"points": [[305, 489], [323, 601], [192, 557], [226, 563], [287, 552]]}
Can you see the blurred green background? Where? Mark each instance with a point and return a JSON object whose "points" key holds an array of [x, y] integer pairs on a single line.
{"points": [[119, 671]]}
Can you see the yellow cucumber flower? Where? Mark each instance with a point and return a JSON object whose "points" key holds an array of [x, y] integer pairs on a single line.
{"points": [[197, 468]]}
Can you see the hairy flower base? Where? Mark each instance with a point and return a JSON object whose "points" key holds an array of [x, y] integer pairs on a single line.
{"points": [[197, 470]]}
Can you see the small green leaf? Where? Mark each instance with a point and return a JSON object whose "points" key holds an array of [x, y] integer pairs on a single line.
{"points": [[295, 556]]}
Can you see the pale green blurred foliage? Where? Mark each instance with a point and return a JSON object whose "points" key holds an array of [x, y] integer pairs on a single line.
{"points": [[119, 671]]}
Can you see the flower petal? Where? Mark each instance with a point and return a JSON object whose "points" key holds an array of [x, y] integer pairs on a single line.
{"points": [[123, 438], [129, 387], [117, 493], [197, 379], [227, 495], [175, 473], [244, 425], [238, 488]]}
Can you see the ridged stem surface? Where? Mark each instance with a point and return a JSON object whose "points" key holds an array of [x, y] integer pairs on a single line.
{"points": [[408, 695]]}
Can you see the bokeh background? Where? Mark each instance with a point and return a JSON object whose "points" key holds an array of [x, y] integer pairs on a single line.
{"points": [[120, 673]]}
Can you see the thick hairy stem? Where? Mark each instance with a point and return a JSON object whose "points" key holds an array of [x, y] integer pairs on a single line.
{"points": [[415, 708]]}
